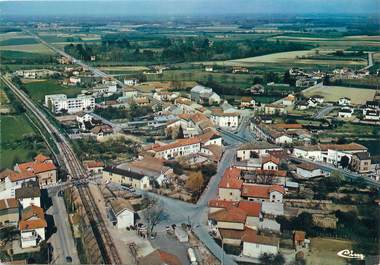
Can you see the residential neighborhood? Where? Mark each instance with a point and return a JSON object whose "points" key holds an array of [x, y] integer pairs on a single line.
{"points": [[189, 132]]}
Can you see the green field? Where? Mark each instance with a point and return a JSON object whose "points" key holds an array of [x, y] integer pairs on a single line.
{"points": [[33, 48], [38, 90], [18, 41], [14, 127], [13, 146]]}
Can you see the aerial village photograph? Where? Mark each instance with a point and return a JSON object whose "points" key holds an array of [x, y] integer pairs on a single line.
{"points": [[190, 132]]}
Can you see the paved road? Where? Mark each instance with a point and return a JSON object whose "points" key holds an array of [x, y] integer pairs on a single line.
{"points": [[65, 245], [345, 173], [324, 111]]}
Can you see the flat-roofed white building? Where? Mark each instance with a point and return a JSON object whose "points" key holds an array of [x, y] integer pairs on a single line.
{"points": [[60, 103]]}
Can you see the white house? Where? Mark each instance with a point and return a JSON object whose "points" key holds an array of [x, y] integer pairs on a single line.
{"points": [[256, 245], [270, 163], [308, 170], [59, 103], [32, 226], [131, 82], [29, 194], [328, 153], [225, 120], [180, 147], [74, 80], [126, 177], [261, 193], [345, 112], [371, 114], [289, 100], [202, 95], [209, 68], [11, 180], [344, 101], [123, 214], [255, 150]]}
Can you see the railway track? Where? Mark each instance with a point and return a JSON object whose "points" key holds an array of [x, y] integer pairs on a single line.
{"points": [[104, 241]]}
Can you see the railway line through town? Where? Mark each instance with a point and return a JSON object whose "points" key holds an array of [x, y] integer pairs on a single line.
{"points": [[66, 157]]}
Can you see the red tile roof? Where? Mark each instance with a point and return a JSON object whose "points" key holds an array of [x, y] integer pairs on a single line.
{"points": [[251, 236], [32, 217], [231, 179], [93, 164], [232, 215], [260, 191], [288, 126], [169, 259], [222, 204], [41, 158], [271, 158], [250, 208], [299, 235], [39, 165], [276, 173]]}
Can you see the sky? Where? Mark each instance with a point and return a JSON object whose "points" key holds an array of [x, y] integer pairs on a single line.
{"points": [[186, 7]]}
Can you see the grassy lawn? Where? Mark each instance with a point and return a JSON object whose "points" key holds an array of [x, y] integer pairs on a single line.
{"points": [[323, 251], [14, 127], [38, 90], [13, 148]]}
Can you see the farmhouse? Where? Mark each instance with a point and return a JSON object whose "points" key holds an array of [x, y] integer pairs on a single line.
{"points": [[328, 153], [122, 213], [32, 226], [308, 170], [261, 193], [204, 95], [255, 150], [126, 177], [228, 120], [42, 167], [181, 147]]}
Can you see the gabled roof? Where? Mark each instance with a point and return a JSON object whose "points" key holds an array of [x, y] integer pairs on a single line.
{"points": [[32, 217], [231, 179], [250, 208], [362, 155], [177, 143], [222, 204], [123, 172], [257, 145], [8, 204], [41, 158], [272, 159], [232, 215], [307, 166], [119, 205], [93, 164], [260, 191], [251, 236]]}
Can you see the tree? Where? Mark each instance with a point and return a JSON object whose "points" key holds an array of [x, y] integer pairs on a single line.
{"points": [[270, 259], [153, 213], [194, 181]]}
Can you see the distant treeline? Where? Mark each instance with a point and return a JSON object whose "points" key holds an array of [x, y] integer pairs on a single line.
{"points": [[118, 48]]}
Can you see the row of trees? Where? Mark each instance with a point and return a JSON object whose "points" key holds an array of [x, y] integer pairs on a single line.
{"points": [[113, 48]]}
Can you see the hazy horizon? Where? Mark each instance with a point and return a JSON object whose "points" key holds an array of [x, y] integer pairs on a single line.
{"points": [[186, 7]]}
